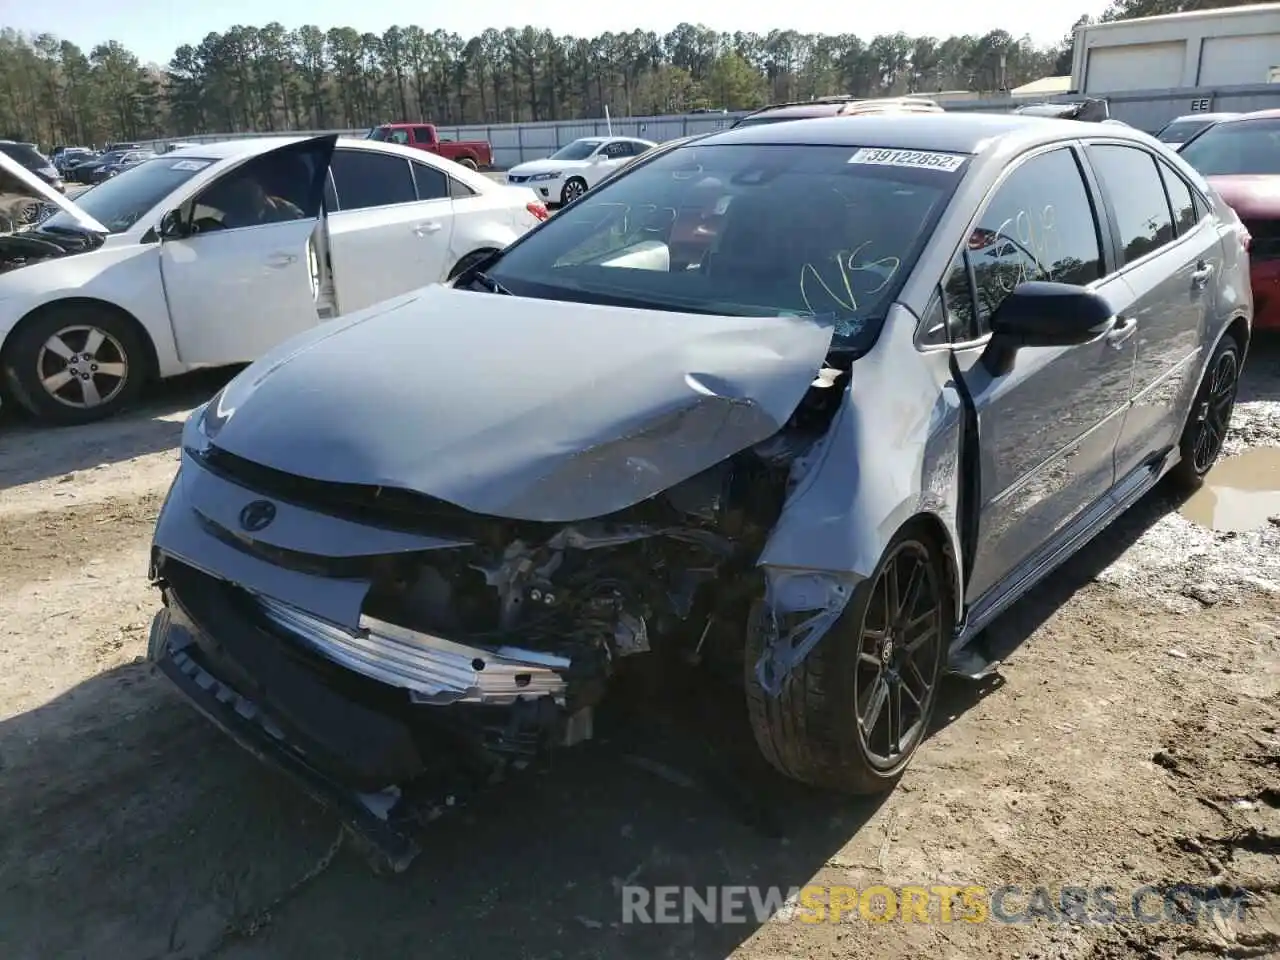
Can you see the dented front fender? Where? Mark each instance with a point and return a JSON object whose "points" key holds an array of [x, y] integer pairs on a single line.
{"points": [[892, 454]]}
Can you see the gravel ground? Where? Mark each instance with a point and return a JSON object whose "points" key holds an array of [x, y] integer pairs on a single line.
{"points": [[1131, 737]]}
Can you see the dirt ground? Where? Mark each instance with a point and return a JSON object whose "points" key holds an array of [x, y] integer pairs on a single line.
{"points": [[1132, 737]]}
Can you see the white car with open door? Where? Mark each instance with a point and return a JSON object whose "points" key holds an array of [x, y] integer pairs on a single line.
{"points": [[577, 167], [212, 254]]}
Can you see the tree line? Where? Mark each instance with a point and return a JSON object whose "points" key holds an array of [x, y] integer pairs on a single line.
{"points": [[273, 79]]}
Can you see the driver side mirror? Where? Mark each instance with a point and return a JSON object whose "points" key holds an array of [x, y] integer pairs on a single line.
{"points": [[1041, 313], [173, 225]]}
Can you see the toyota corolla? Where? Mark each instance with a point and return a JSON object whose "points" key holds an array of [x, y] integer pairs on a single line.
{"points": [[921, 361]]}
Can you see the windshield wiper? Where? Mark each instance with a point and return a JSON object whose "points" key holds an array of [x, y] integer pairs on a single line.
{"points": [[490, 284]]}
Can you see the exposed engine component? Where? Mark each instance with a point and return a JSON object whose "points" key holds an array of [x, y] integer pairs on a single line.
{"points": [[652, 577], [28, 247]]}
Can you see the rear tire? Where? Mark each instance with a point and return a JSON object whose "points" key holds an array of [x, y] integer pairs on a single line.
{"points": [[1209, 419], [469, 163], [75, 363], [820, 730], [465, 262]]}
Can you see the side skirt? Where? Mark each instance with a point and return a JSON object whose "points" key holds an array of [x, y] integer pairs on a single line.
{"points": [[963, 659]]}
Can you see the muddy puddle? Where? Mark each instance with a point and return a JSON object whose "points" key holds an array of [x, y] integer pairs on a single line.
{"points": [[1241, 493]]}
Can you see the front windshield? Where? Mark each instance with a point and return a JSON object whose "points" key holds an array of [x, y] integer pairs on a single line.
{"points": [[1180, 131], [1236, 147], [578, 150], [744, 230], [118, 203]]}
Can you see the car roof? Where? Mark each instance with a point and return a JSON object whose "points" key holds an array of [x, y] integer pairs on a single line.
{"points": [[252, 146], [1271, 114], [1211, 117], [947, 132], [225, 149]]}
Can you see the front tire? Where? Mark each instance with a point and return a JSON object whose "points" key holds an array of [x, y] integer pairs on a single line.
{"points": [[75, 363], [572, 190], [1210, 416], [853, 713]]}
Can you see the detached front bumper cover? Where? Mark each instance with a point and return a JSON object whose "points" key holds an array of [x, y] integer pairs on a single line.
{"points": [[368, 816], [346, 737]]}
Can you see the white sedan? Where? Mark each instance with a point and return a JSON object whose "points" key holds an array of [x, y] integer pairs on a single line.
{"points": [[212, 254], [577, 167]]}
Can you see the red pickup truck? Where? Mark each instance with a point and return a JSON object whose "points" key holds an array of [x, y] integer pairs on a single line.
{"points": [[476, 154]]}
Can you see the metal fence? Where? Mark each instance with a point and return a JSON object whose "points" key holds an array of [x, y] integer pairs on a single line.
{"points": [[519, 142]]}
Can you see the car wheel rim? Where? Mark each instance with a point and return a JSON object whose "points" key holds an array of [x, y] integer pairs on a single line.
{"points": [[1215, 411], [82, 367], [894, 677], [573, 190]]}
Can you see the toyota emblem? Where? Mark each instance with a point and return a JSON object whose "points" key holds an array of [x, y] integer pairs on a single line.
{"points": [[257, 515]]}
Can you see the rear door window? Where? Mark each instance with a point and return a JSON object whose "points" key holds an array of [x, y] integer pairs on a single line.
{"points": [[364, 179], [1133, 185]]}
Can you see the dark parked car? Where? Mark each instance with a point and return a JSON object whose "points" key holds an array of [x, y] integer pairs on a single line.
{"points": [[84, 172], [1089, 110], [927, 359], [70, 157], [31, 158], [1181, 129], [112, 168]]}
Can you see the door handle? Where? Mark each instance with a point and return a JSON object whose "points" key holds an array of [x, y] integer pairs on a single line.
{"points": [[1200, 276], [422, 229], [1124, 328], [281, 260]]}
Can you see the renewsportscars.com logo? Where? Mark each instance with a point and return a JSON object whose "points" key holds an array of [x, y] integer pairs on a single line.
{"points": [[1184, 903]]}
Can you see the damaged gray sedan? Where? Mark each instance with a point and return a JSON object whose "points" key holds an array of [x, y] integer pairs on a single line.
{"points": [[811, 402]]}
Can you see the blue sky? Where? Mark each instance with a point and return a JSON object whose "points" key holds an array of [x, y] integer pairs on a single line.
{"points": [[154, 28]]}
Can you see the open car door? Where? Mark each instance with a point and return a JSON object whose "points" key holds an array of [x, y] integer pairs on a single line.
{"points": [[238, 259]]}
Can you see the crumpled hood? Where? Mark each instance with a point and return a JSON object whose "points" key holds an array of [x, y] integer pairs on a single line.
{"points": [[534, 167], [16, 182], [1250, 196], [520, 408]]}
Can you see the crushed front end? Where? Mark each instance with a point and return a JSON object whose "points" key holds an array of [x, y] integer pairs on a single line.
{"points": [[395, 652]]}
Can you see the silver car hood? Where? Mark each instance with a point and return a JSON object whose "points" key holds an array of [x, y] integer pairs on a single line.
{"points": [[527, 409], [16, 181]]}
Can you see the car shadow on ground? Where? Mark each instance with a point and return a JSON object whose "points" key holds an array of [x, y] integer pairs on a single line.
{"points": [[30, 452], [172, 842]]}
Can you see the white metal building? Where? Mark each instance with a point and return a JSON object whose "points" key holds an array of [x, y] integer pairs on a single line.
{"points": [[1230, 46]]}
